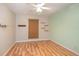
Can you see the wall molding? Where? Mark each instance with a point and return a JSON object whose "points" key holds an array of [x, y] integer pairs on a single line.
{"points": [[9, 49], [66, 48]]}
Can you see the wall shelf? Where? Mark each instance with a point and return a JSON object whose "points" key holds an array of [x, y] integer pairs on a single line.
{"points": [[21, 25]]}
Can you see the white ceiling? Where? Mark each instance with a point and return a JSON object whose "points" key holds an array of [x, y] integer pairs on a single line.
{"points": [[28, 9]]}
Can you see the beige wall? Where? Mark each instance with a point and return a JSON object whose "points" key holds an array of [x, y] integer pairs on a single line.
{"points": [[42, 33], [22, 32], [7, 35]]}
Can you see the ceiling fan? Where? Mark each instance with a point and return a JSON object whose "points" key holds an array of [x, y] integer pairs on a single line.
{"points": [[40, 6]]}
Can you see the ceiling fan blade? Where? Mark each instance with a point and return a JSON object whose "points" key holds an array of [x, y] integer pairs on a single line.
{"points": [[38, 4], [41, 4], [45, 8], [34, 5]]}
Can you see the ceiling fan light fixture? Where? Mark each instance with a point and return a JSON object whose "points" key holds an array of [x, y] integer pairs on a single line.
{"points": [[39, 10], [40, 6]]}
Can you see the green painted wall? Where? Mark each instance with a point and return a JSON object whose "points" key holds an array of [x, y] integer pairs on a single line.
{"points": [[64, 27]]}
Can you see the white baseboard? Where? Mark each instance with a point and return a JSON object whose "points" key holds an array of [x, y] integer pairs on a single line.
{"points": [[32, 40], [9, 49], [66, 48]]}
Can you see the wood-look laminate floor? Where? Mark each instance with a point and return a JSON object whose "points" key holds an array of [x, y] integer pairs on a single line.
{"points": [[39, 48]]}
